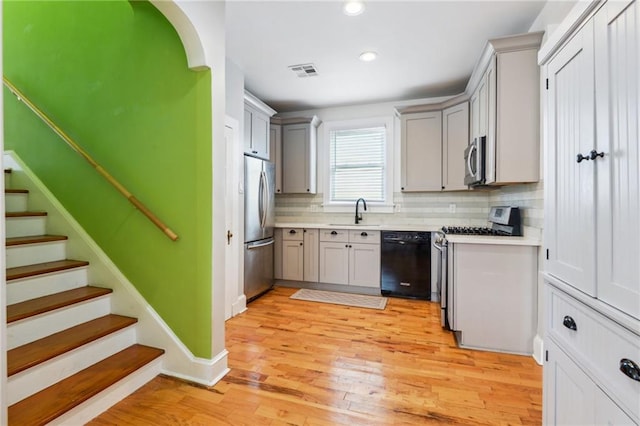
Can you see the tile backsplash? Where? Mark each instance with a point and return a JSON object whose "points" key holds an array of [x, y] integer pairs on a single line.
{"points": [[446, 208]]}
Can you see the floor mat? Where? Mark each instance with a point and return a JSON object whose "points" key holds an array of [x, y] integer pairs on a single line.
{"points": [[348, 299]]}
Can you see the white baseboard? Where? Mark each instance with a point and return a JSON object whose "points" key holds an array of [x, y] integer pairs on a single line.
{"points": [[178, 360], [239, 306], [538, 349]]}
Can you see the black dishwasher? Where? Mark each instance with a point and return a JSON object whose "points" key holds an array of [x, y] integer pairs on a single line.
{"points": [[406, 264]]}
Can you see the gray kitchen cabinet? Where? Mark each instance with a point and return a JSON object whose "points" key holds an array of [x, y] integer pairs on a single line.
{"points": [[576, 399], [350, 258], [505, 108], [299, 155], [299, 259], [455, 138], [311, 254], [592, 236], [292, 254], [275, 140], [256, 127], [421, 151]]}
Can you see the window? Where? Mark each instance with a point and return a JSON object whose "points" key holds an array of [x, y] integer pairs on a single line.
{"points": [[358, 162]]}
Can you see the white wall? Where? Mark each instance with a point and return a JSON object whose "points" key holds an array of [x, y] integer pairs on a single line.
{"points": [[234, 95]]}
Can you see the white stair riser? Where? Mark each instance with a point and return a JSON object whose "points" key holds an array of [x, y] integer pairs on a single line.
{"points": [[34, 328], [113, 394], [43, 285], [30, 254], [15, 202], [26, 226], [33, 380]]}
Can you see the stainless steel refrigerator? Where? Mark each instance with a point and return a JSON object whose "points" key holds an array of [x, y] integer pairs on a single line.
{"points": [[259, 219]]}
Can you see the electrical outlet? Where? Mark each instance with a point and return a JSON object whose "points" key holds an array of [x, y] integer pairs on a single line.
{"points": [[452, 208], [398, 207]]}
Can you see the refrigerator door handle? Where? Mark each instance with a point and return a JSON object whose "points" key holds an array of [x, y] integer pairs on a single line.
{"points": [[264, 198], [267, 199], [261, 199], [253, 246]]}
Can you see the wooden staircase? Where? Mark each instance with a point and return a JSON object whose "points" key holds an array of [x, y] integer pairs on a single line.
{"points": [[69, 357]]}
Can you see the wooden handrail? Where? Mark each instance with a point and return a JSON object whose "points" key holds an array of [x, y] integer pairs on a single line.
{"points": [[133, 200]]}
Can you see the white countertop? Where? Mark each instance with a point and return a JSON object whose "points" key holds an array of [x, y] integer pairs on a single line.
{"points": [[364, 226], [487, 239], [528, 240]]}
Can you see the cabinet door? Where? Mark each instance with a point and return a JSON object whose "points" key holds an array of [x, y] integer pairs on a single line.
{"points": [[364, 265], [617, 35], [260, 135], [292, 260], [421, 152], [311, 255], [568, 393], [488, 118], [569, 186], [248, 115], [295, 159], [608, 413], [334, 263], [275, 140], [455, 138]]}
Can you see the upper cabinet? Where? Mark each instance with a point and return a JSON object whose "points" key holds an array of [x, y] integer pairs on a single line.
{"points": [[256, 127], [421, 148], [455, 138], [433, 140], [505, 107], [297, 164], [592, 188]]}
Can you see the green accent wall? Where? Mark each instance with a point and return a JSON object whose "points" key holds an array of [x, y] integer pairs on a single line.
{"points": [[113, 75]]}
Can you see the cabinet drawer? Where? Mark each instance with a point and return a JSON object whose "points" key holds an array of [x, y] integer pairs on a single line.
{"points": [[292, 234], [598, 344], [366, 237], [335, 235]]}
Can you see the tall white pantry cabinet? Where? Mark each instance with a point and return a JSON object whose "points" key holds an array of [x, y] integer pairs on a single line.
{"points": [[592, 216]]}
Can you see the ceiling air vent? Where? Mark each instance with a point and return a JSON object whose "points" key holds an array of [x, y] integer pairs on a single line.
{"points": [[304, 70]]}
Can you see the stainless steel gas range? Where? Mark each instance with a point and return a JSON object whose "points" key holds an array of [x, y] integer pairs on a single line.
{"points": [[504, 221]]}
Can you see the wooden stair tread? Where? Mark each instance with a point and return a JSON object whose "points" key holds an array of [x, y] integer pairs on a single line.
{"points": [[24, 214], [48, 303], [39, 351], [43, 268], [16, 241], [16, 191], [50, 403]]}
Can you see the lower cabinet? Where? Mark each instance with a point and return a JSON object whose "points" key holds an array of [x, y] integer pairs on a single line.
{"points": [[572, 398], [293, 254], [299, 254], [591, 373], [350, 257]]}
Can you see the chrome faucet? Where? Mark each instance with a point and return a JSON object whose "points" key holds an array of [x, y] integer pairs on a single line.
{"points": [[359, 215]]}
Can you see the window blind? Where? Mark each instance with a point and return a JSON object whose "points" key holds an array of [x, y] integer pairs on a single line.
{"points": [[357, 164]]}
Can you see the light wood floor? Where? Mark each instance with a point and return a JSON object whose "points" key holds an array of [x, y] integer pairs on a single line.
{"points": [[304, 363]]}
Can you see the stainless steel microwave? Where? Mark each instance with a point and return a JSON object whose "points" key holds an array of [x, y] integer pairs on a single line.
{"points": [[474, 159]]}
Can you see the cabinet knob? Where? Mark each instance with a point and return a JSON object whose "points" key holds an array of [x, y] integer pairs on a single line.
{"points": [[293, 231], [254, 152], [569, 323], [630, 369], [363, 234], [277, 190], [595, 154], [346, 245], [581, 157], [300, 243], [402, 189], [334, 233], [307, 189]]}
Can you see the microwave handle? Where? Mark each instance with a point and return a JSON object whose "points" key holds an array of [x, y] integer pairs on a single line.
{"points": [[470, 156]]}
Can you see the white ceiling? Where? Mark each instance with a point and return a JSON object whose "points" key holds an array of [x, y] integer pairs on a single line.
{"points": [[426, 48]]}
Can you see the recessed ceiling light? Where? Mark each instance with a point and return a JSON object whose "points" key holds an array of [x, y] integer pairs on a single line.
{"points": [[353, 8], [368, 56]]}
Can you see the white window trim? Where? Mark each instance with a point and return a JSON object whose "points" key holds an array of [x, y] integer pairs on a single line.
{"points": [[372, 207]]}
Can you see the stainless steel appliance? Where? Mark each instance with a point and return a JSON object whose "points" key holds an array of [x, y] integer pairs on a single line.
{"points": [[474, 159], [405, 263], [259, 190], [505, 222]]}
